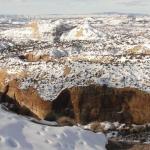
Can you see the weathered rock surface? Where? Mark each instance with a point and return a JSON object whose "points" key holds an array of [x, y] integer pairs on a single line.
{"points": [[102, 103], [83, 104], [26, 102]]}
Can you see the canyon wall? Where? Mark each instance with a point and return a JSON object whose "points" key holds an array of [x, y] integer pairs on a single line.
{"points": [[102, 103], [83, 104]]}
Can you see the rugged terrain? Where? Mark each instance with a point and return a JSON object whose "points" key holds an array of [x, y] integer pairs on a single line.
{"points": [[85, 69]]}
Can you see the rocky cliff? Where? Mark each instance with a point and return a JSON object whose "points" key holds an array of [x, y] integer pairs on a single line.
{"points": [[84, 104], [26, 102], [102, 103]]}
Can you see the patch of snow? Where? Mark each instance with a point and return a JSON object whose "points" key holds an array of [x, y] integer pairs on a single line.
{"points": [[17, 132], [107, 126], [147, 45]]}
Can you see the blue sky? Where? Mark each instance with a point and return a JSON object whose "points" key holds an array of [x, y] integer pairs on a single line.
{"points": [[73, 6]]}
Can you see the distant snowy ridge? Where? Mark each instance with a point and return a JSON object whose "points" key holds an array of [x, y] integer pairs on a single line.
{"points": [[36, 31], [32, 31], [82, 32]]}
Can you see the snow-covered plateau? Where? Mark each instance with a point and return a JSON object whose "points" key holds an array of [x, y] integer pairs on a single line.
{"points": [[53, 54]]}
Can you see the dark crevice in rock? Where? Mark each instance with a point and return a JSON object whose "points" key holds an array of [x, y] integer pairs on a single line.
{"points": [[62, 106]]}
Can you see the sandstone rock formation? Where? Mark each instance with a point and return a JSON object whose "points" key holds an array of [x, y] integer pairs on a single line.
{"points": [[83, 104], [26, 102], [87, 104]]}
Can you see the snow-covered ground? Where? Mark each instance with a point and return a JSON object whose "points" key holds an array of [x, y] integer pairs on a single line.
{"points": [[19, 133]]}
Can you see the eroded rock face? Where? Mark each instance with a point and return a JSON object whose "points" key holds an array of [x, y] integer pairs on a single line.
{"points": [[29, 99], [83, 104], [101, 103], [26, 102]]}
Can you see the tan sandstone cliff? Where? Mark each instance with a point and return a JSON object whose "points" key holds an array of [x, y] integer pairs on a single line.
{"points": [[84, 104]]}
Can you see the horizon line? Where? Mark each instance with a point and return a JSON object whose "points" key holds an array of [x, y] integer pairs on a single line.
{"points": [[79, 14]]}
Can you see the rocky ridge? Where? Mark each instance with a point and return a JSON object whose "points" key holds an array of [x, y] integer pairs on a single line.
{"points": [[83, 104]]}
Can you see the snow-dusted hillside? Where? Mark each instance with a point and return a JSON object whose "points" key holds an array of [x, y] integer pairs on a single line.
{"points": [[119, 57], [82, 32], [36, 30], [49, 78]]}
